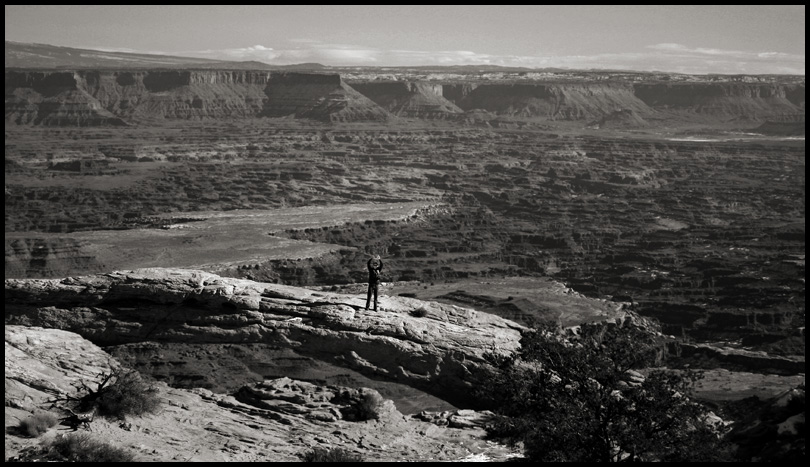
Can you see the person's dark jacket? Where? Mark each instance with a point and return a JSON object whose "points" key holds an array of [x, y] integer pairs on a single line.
{"points": [[374, 273]]}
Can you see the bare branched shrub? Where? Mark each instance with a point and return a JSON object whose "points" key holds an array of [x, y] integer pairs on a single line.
{"points": [[117, 393], [331, 455], [37, 424]]}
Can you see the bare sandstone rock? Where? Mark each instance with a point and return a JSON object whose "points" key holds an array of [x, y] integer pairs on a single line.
{"points": [[441, 353], [274, 420]]}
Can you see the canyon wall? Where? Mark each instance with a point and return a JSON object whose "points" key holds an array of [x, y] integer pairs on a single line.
{"points": [[756, 102], [574, 101], [90, 98], [409, 99], [93, 98], [318, 97]]}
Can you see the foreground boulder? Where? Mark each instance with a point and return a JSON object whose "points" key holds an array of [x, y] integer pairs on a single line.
{"points": [[433, 347]]}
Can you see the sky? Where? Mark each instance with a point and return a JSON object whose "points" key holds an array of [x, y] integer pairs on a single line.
{"points": [[728, 39]]}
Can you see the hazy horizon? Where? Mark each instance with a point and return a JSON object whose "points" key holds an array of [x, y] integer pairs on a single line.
{"points": [[757, 39]]}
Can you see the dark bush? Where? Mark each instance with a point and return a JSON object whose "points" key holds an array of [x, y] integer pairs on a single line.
{"points": [[331, 455], [37, 424], [419, 312], [369, 406], [568, 397], [128, 395], [83, 448]]}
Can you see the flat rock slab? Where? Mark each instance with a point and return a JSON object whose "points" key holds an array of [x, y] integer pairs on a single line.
{"points": [[276, 420], [440, 349]]}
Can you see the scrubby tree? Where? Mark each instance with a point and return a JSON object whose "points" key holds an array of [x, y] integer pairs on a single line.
{"points": [[575, 396], [117, 393]]}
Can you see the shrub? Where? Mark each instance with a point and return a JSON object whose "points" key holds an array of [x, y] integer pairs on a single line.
{"points": [[331, 455], [129, 395], [83, 448], [565, 396], [118, 393], [37, 424], [419, 312], [369, 406]]}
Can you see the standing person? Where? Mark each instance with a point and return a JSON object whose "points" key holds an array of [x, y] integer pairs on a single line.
{"points": [[375, 266]]}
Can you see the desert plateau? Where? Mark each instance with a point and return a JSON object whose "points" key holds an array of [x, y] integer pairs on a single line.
{"points": [[207, 224]]}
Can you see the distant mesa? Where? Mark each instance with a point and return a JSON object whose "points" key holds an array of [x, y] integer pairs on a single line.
{"points": [[44, 56], [409, 99], [724, 101], [322, 97], [551, 101], [107, 97], [61, 86]]}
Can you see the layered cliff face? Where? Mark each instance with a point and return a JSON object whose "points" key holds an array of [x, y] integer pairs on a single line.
{"points": [[595, 101], [178, 94], [86, 98], [53, 99], [417, 99], [441, 352], [318, 97], [574, 101], [91, 98], [40, 257], [725, 101]]}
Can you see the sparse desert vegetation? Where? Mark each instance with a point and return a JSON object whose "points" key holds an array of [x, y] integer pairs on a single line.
{"points": [[370, 406], [331, 455], [576, 396], [82, 447], [117, 393], [37, 424]]}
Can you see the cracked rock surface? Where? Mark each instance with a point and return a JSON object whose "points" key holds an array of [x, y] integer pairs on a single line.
{"points": [[441, 353], [274, 420]]}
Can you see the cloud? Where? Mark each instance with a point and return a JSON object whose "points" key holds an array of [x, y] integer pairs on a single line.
{"points": [[682, 49], [712, 60], [335, 54], [667, 46]]}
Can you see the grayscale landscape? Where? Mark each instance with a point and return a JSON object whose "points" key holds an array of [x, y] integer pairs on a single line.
{"points": [[204, 221]]}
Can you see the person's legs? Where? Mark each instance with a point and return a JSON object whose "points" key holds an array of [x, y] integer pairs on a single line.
{"points": [[368, 297], [376, 290]]}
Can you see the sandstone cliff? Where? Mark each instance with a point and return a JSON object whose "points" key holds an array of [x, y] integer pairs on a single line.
{"points": [[699, 102], [409, 99], [117, 97], [319, 97], [727, 101], [90, 98], [440, 353], [53, 99], [552, 101], [273, 420]]}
